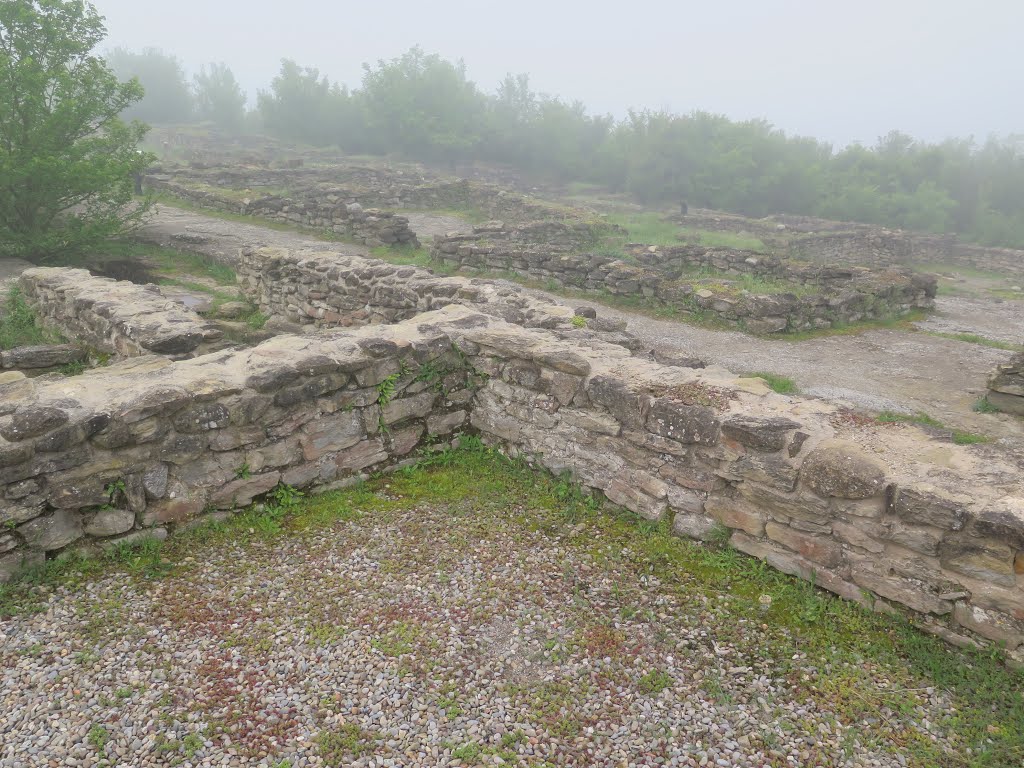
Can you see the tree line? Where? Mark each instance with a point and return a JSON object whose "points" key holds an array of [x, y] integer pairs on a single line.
{"points": [[424, 107], [70, 121]]}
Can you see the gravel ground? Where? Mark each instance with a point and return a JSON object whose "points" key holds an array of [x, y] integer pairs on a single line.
{"points": [[430, 636]]}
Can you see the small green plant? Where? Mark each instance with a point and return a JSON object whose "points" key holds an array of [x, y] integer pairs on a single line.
{"points": [[336, 747], [984, 406], [578, 321], [386, 389], [192, 744], [72, 369], [98, 737], [243, 472], [468, 751], [19, 325], [257, 320], [781, 384], [654, 682]]}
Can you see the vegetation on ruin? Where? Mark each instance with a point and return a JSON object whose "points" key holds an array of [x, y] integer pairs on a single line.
{"points": [[802, 626], [67, 159], [781, 384], [932, 424], [19, 324]]}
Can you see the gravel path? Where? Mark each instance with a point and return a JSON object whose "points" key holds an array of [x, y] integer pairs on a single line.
{"points": [[428, 636], [875, 370]]}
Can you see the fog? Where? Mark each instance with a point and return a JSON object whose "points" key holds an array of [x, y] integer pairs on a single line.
{"points": [[842, 72]]}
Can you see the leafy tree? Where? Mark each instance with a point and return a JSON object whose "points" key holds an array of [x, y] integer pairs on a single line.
{"points": [[421, 105], [305, 107], [167, 96], [219, 98], [67, 159]]}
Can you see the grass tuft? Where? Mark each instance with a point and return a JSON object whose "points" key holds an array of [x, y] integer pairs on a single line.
{"points": [[781, 384]]}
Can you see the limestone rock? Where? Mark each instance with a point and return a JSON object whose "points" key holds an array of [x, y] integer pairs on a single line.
{"points": [[842, 470]]}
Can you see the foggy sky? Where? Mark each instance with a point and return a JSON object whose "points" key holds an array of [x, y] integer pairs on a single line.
{"points": [[839, 70]]}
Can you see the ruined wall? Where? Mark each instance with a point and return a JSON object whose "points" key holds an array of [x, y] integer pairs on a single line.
{"points": [[1006, 386], [328, 289], [114, 316], [324, 210], [151, 445], [821, 296]]}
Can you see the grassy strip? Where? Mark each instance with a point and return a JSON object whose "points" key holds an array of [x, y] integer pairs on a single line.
{"points": [[850, 644], [924, 420], [973, 338]]}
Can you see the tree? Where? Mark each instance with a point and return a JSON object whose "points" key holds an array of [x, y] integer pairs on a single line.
{"points": [[67, 160], [219, 98], [424, 106], [302, 106], [167, 98]]}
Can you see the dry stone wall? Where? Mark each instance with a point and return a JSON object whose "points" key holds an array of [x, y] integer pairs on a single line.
{"points": [[150, 446], [1006, 386], [328, 289], [838, 295], [333, 210], [114, 316]]}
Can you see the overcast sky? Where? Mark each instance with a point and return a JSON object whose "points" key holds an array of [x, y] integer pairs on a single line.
{"points": [[844, 71]]}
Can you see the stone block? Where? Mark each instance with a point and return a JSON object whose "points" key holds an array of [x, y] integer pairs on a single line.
{"points": [[992, 625], [859, 535], [795, 565], [930, 505], [917, 538], [694, 526], [31, 421], [818, 549], [762, 434], [330, 434], [628, 407], [413, 407], [984, 559], [443, 424], [900, 590], [842, 469], [404, 440], [240, 493], [1003, 519], [364, 454], [110, 522], [735, 513], [621, 492], [689, 424], [52, 531]]}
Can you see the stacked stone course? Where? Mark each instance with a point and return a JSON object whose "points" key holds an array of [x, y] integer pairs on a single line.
{"points": [[841, 295], [703, 449], [329, 289], [114, 316], [332, 210]]}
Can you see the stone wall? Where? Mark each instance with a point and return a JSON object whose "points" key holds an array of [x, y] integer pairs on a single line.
{"points": [[42, 358], [1006, 386], [820, 297], [114, 316], [150, 445], [333, 210], [328, 289]]}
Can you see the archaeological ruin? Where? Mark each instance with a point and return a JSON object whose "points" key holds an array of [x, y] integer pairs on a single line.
{"points": [[381, 362]]}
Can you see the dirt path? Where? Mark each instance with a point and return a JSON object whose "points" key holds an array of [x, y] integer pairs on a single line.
{"points": [[874, 370]]}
